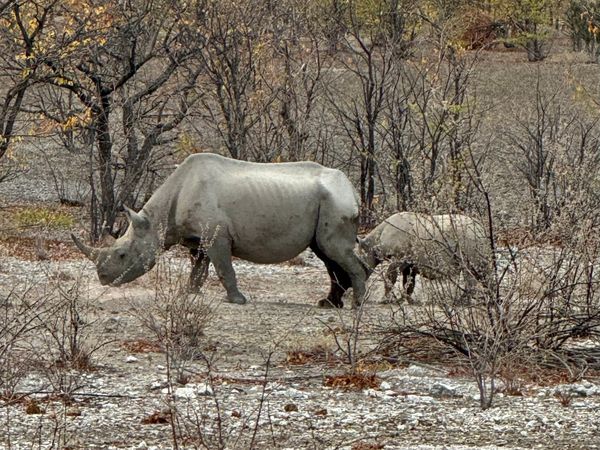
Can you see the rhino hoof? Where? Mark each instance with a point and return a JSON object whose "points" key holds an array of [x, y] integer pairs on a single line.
{"points": [[328, 303], [241, 300]]}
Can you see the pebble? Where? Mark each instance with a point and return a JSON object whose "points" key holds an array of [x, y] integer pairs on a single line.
{"points": [[443, 390], [385, 386]]}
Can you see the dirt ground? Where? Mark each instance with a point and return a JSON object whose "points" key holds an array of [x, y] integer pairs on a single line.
{"points": [[262, 378]]}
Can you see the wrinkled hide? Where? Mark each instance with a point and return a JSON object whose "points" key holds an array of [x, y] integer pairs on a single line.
{"points": [[264, 213], [435, 246]]}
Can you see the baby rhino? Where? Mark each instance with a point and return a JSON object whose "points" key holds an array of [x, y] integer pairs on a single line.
{"points": [[435, 246]]}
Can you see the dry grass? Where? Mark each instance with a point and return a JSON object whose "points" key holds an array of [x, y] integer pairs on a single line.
{"points": [[158, 417], [27, 249], [141, 346], [564, 398], [355, 381], [316, 354], [33, 407], [367, 446]]}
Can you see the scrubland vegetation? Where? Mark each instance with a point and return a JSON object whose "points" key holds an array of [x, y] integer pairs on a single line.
{"points": [[490, 109]]}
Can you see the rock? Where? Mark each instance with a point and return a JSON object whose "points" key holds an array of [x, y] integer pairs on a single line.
{"points": [[532, 424], [443, 390], [420, 371], [112, 324], [156, 385], [204, 389], [419, 398], [131, 359], [374, 393], [190, 391], [385, 386], [577, 390], [294, 393]]}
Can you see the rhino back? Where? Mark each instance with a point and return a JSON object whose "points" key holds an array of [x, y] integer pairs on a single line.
{"points": [[396, 235], [448, 242]]}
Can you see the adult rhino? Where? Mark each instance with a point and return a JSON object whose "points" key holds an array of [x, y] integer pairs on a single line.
{"points": [[264, 213], [435, 246]]}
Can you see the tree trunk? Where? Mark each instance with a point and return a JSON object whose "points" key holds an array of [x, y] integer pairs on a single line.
{"points": [[108, 208]]}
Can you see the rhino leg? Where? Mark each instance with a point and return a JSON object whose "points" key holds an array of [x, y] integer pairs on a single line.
{"points": [[337, 245], [470, 290], [389, 279], [200, 263], [409, 276], [340, 280], [219, 254], [349, 262]]}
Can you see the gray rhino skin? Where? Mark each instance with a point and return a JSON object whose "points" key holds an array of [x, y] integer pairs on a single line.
{"points": [[435, 246], [264, 213]]}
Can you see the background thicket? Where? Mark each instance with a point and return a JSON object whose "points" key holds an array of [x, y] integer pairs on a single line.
{"points": [[402, 96]]}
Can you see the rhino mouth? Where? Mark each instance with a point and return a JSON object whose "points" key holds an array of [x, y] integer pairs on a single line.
{"points": [[108, 281], [104, 281]]}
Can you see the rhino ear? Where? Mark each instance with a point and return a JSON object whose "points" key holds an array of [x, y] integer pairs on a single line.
{"points": [[138, 221]]}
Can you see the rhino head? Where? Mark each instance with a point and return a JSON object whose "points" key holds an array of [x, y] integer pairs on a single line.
{"points": [[132, 255], [367, 255]]}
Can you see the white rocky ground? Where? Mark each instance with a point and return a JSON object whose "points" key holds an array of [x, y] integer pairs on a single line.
{"points": [[248, 403]]}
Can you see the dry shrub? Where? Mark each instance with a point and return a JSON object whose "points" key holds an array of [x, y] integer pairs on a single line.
{"points": [[27, 248], [296, 261], [19, 309], [175, 317], [48, 327], [316, 354], [33, 407], [67, 327], [158, 417], [374, 366], [321, 412], [523, 238], [367, 446], [354, 381], [479, 29], [141, 346], [564, 398]]}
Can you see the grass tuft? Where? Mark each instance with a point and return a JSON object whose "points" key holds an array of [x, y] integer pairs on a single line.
{"points": [[44, 217]]}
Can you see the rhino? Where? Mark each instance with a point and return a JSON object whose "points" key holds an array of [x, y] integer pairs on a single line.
{"points": [[434, 246], [260, 212]]}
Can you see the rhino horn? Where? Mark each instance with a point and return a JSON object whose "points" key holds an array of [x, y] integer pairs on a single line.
{"points": [[88, 251]]}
